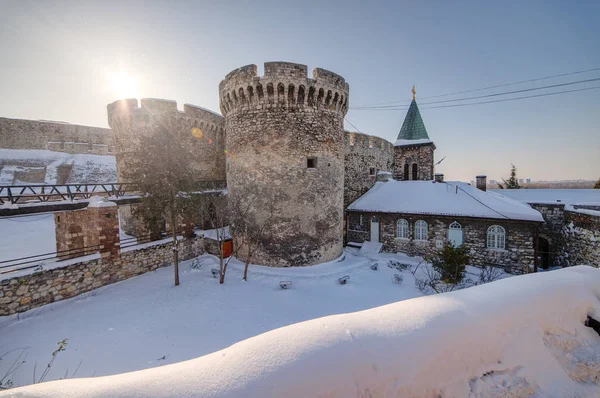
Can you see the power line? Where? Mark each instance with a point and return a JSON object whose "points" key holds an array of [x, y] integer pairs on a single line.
{"points": [[490, 87], [352, 124], [488, 102], [505, 93]]}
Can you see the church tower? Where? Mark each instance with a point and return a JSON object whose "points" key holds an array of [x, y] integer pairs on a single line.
{"points": [[413, 150]]}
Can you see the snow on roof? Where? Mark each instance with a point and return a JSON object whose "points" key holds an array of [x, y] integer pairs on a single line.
{"points": [[412, 142], [450, 198], [517, 335], [97, 201], [567, 196]]}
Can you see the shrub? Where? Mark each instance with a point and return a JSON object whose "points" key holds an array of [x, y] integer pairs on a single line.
{"points": [[450, 262]]}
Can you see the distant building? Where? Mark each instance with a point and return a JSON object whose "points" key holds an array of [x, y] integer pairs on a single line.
{"points": [[528, 180]]}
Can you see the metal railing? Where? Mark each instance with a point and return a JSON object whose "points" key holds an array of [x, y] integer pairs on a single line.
{"points": [[39, 260], [36, 193], [20, 194]]}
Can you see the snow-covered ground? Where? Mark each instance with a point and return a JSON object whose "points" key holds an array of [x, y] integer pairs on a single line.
{"points": [[518, 337], [85, 167], [133, 324]]}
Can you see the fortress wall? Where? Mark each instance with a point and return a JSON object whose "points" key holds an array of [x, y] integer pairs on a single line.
{"points": [[365, 155], [55, 136]]}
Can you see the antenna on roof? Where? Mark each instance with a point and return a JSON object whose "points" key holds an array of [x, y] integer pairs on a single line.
{"points": [[440, 161]]}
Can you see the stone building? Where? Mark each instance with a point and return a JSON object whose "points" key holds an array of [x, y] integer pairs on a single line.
{"points": [[285, 146], [413, 150], [417, 212], [419, 217], [570, 234]]}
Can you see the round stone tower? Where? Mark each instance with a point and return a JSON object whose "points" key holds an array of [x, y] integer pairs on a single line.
{"points": [[285, 157], [202, 131]]}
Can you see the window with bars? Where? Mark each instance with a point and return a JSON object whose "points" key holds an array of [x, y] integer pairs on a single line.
{"points": [[496, 237], [402, 229], [421, 230]]}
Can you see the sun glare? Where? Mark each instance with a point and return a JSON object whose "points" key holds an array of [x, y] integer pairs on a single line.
{"points": [[124, 85]]}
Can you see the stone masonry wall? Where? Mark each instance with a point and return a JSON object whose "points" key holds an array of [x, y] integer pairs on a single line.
{"points": [[365, 155], [551, 230], [518, 255], [82, 232], [581, 235], [285, 144], [55, 136], [23, 293], [202, 129], [421, 155]]}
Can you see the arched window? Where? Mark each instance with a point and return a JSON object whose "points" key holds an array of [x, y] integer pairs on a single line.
{"points": [[406, 167], [420, 230], [455, 234], [414, 172], [402, 229], [496, 237]]}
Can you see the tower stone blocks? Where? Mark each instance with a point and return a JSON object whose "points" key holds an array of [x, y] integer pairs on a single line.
{"points": [[285, 152], [413, 162], [202, 130]]}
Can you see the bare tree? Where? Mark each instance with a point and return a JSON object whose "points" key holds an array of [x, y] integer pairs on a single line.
{"points": [[160, 164], [249, 228], [214, 210]]}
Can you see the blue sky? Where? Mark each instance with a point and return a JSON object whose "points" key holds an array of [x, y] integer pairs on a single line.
{"points": [[60, 61]]}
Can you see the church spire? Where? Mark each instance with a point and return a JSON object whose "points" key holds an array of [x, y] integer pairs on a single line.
{"points": [[413, 127]]}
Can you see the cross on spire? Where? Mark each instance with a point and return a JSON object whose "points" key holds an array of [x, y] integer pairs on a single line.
{"points": [[414, 92]]}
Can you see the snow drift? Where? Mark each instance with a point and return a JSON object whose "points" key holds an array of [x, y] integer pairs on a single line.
{"points": [[517, 337]]}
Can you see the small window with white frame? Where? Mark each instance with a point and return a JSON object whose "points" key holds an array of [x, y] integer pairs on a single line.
{"points": [[496, 237], [361, 220], [402, 229], [421, 230]]}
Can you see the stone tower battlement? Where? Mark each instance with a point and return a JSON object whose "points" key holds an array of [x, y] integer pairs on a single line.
{"points": [[204, 130], [126, 112], [285, 140], [284, 85]]}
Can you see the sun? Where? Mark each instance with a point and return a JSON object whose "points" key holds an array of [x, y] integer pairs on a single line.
{"points": [[124, 85]]}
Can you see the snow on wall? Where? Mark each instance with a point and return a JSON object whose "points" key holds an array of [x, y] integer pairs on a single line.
{"points": [[27, 163], [519, 337]]}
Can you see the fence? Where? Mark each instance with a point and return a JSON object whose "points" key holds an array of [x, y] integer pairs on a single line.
{"points": [[39, 260], [35, 193]]}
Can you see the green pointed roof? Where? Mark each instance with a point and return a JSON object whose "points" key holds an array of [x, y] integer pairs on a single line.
{"points": [[413, 127]]}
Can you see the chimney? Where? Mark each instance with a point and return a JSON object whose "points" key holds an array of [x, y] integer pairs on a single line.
{"points": [[481, 182], [439, 177], [383, 176]]}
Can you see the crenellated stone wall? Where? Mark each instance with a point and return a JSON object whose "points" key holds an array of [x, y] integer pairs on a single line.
{"points": [[202, 129], [581, 234], [54, 136], [365, 155], [518, 255], [23, 293], [285, 143]]}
